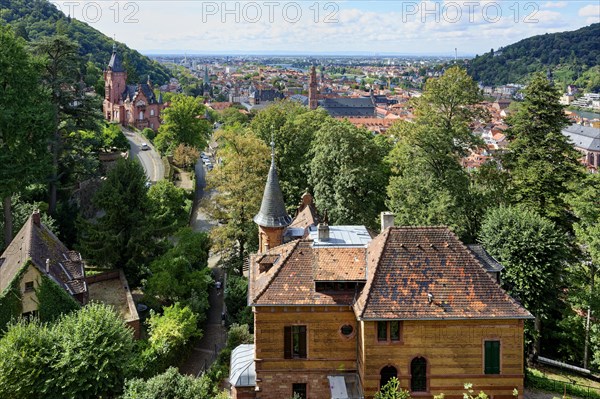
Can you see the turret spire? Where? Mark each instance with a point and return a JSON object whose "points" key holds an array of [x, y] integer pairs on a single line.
{"points": [[272, 209]]}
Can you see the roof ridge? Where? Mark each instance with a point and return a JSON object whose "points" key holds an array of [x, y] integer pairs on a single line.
{"points": [[277, 270], [386, 236], [28, 238]]}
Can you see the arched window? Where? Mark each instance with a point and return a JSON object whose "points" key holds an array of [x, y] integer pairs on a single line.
{"points": [[141, 115], [387, 373], [418, 375], [151, 112]]}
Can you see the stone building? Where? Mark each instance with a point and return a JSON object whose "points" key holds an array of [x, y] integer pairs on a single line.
{"points": [[339, 311], [129, 105], [586, 139]]}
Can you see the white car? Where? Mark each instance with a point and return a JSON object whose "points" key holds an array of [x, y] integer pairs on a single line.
{"points": [[145, 146]]}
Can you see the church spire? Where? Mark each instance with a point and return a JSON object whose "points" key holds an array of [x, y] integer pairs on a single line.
{"points": [[312, 89], [114, 64], [272, 212]]}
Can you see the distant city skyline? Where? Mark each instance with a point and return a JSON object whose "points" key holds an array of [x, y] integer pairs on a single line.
{"points": [[328, 27]]}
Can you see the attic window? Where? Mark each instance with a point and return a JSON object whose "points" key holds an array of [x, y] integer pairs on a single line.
{"points": [[266, 262], [29, 286]]}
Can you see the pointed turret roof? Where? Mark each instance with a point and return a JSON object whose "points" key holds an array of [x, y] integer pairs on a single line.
{"points": [[115, 61], [272, 209]]}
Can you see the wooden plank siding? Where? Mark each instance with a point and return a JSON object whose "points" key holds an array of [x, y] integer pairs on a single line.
{"points": [[328, 351], [454, 353]]}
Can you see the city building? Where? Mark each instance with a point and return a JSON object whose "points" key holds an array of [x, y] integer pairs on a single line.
{"points": [[586, 139], [134, 105]]}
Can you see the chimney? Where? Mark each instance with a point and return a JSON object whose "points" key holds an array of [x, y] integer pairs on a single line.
{"points": [[387, 220], [323, 232], [35, 217], [48, 265]]}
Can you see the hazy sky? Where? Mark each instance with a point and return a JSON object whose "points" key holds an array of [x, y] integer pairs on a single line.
{"points": [[406, 27]]}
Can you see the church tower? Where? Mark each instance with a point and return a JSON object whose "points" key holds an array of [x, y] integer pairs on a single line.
{"points": [[312, 89], [272, 219], [115, 81]]}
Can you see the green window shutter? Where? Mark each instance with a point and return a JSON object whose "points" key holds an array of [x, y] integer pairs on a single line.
{"points": [[492, 357]]}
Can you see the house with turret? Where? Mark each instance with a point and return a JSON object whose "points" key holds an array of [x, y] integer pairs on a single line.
{"points": [[340, 310], [129, 104]]}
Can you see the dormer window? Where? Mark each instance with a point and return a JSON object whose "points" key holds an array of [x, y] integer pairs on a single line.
{"points": [[266, 262]]}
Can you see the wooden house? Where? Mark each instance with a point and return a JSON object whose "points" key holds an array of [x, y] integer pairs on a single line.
{"points": [[338, 312]]}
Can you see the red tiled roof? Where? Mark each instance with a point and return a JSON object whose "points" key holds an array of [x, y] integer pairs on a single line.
{"points": [[406, 264], [305, 218], [339, 264], [290, 281]]}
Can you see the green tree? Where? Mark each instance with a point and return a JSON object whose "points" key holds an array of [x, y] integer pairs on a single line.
{"points": [[231, 116], [236, 300], [347, 174], [85, 354], [96, 352], [540, 160], [169, 208], [169, 335], [238, 184], [73, 110], [534, 253], [170, 385], [292, 127], [584, 202], [182, 124], [26, 352], [185, 156], [121, 236], [428, 183], [113, 138], [181, 275], [25, 124], [237, 335]]}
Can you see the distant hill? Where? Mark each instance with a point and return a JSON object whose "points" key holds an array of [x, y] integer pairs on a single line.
{"points": [[570, 54], [33, 19]]}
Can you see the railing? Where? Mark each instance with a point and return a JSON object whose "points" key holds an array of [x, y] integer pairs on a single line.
{"points": [[561, 387]]}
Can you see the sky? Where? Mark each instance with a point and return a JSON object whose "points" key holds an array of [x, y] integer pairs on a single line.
{"points": [[375, 27]]}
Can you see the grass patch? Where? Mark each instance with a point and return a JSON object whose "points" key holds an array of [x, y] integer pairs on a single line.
{"points": [[557, 381]]}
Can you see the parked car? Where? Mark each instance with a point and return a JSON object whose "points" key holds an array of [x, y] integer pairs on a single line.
{"points": [[145, 147]]}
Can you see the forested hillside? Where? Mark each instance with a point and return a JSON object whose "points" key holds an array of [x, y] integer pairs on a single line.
{"points": [[34, 19], [570, 54]]}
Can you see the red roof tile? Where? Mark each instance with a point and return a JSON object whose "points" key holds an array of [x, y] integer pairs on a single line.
{"points": [[415, 262]]}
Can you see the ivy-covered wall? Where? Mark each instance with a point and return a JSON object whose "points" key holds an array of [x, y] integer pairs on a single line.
{"points": [[53, 300], [10, 301]]}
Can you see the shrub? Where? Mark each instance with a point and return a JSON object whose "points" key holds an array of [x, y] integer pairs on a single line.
{"points": [[169, 334], [149, 133], [169, 385]]}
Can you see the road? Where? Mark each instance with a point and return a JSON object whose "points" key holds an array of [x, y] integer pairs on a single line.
{"points": [[200, 221], [150, 159], [214, 337]]}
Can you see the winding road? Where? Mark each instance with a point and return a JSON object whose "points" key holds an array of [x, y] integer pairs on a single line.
{"points": [[150, 159]]}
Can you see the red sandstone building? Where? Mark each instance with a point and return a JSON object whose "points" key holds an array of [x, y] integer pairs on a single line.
{"points": [[339, 311], [129, 105]]}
